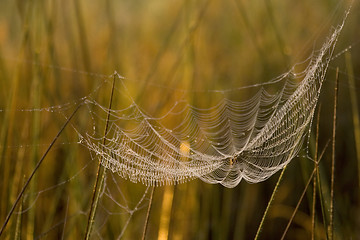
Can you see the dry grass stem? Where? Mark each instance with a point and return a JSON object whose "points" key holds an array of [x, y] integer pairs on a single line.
{"points": [[331, 220], [100, 176]]}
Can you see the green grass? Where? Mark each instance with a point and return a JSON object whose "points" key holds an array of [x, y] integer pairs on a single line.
{"points": [[49, 54]]}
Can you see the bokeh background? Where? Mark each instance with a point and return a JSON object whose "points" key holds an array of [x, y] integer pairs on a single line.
{"points": [[54, 53]]}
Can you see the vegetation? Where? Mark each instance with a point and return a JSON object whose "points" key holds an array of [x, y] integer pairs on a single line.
{"points": [[53, 54]]}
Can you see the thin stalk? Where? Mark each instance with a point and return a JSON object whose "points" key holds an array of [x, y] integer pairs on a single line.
{"points": [[100, 174], [187, 53], [65, 219], [313, 205], [19, 178], [188, 40], [252, 33], [156, 61], [269, 203], [321, 197], [298, 204], [82, 36], [315, 175], [355, 107], [278, 36], [35, 129], [35, 170], [148, 213], [136, 207], [19, 221], [7, 128], [331, 220], [302, 196]]}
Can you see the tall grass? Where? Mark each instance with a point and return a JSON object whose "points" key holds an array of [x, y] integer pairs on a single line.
{"points": [[354, 106], [50, 55], [101, 172]]}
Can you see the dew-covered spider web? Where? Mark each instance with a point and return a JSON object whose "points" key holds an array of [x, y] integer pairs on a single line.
{"points": [[206, 126], [224, 143]]}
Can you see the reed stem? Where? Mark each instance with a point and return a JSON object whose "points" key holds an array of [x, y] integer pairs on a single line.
{"points": [[35, 170], [100, 176], [148, 213], [354, 107], [315, 175], [269, 204], [331, 220]]}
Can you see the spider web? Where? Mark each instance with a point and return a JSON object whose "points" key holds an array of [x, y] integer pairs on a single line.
{"points": [[224, 143], [219, 143]]}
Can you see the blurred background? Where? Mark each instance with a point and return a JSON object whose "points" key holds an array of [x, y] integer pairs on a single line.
{"points": [[54, 53]]}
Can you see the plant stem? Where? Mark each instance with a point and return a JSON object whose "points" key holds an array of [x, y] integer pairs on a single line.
{"points": [[298, 204], [354, 106], [36, 168], [331, 221], [322, 202], [148, 213], [100, 174], [303, 194], [269, 203], [315, 175]]}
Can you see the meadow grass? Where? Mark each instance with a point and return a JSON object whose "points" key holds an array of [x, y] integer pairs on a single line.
{"points": [[53, 54]]}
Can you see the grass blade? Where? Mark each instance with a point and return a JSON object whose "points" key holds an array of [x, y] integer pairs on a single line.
{"points": [[355, 107], [316, 164], [148, 213], [298, 204], [35, 170], [269, 204], [331, 220], [100, 174]]}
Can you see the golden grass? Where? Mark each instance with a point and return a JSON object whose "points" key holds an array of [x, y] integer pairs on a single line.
{"points": [[49, 52]]}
